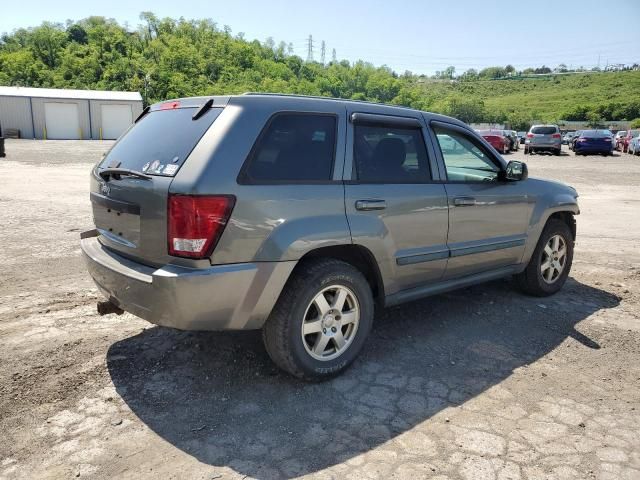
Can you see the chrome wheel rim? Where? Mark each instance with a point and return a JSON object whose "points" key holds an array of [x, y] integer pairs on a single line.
{"points": [[554, 259], [330, 323]]}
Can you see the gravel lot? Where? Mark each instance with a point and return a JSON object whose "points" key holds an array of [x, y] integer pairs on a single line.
{"points": [[482, 383]]}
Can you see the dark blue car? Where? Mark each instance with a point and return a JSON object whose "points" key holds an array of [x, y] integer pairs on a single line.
{"points": [[594, 141]]}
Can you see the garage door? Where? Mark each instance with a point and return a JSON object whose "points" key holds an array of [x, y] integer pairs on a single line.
{"points": [[62, 121], [115, 120]]}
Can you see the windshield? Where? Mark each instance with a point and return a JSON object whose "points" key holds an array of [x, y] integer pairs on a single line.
{"points": [[544, 130], [159, 142]]}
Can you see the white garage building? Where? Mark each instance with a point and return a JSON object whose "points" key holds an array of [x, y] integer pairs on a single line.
{"points": [[59, 114]]}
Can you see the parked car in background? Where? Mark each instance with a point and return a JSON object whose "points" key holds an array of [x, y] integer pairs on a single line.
{"points": [[634, 146], [566, 139], [573, 139], [195, 228], [617, 139], [626, 140], [515, 140], [543, 138], [498, 139], [594, 141], [521, 137]]}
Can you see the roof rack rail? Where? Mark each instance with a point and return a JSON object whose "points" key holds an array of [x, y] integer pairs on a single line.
{"points": [[318, 97]]}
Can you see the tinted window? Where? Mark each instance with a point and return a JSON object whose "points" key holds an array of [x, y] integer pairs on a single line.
{"points": [[544, 130], [465, 159], [390, 155], [161, 141], [596, 133], [295, 148]]}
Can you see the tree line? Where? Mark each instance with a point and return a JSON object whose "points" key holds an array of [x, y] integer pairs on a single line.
{"points": [[169, 58]]}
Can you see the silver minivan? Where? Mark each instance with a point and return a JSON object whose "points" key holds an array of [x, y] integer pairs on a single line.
{"points": [[301, 216], [543, 138]]}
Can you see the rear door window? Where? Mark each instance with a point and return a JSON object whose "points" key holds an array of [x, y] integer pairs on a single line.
{"points": [[388, 154], [159, 142], [293, 147]]}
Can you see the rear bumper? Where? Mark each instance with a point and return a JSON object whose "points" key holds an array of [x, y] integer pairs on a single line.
{"points": [[592, 148], [224, 297]]}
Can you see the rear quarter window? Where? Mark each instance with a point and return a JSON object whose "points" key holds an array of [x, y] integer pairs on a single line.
{"points": [[293, 147], [160, 142]]}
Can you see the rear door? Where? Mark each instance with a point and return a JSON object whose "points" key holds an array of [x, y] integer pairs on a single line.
{"points": [[394, 205], [488, 218], [130, 213]]}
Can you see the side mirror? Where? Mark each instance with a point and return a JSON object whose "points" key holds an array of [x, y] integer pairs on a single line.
{"points": [[516, 171]]}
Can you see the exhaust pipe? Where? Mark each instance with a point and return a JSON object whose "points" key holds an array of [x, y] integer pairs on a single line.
{"points": [[107, 307]]}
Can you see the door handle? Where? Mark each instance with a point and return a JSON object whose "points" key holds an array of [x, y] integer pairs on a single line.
{"points": [[464, 201], [371, 205]]}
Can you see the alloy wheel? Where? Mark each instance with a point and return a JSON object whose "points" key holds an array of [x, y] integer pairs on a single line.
{"points": [[330, 323], [554, 259]]}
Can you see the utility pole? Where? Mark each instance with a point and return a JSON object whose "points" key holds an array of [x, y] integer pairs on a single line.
{"points": [[334, 56], [310, 49], [322, 52]]}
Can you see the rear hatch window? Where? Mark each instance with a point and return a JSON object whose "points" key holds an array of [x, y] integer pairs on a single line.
{"points": [[160, 141], [544, 130]]}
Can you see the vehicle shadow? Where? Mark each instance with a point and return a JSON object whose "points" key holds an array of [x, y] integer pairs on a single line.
{"points": [[217, 396]]}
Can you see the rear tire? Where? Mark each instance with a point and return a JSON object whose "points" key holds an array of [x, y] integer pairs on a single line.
{"points": [[531, 280], [316, 355], [557, 152]]}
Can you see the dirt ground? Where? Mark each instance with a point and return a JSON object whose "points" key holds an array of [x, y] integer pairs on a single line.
{"points": [[482, 383]]}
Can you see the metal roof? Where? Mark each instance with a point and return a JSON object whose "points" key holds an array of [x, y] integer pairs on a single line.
{"points": [[69, 94]]}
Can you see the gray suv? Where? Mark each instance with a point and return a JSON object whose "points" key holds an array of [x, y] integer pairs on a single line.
{"points": [[300, 215], [543, 138]]}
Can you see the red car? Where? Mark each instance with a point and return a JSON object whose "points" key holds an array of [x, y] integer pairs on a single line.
{"points": [[497, 138], [625, 141]]}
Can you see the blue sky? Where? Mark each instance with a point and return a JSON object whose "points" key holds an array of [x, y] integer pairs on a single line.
{"points": [[421, 36]]}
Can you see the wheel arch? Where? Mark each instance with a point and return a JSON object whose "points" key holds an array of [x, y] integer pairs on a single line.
{"points": [[359, 257]]}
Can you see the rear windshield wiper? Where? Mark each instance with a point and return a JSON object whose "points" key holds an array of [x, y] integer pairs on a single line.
{"points": [[118, 172]]}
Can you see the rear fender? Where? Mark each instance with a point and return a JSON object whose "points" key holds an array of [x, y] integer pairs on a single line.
{"points": [[292, 239]]}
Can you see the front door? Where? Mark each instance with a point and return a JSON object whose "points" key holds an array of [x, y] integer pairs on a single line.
{"points": [[393, 205], [488, 217]]}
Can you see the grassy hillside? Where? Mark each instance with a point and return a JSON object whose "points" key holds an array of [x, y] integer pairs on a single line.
{"points": [[167, 58]]}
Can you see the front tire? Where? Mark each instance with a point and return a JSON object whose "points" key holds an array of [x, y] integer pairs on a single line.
{"points": [[551, 261], [321, 320]]}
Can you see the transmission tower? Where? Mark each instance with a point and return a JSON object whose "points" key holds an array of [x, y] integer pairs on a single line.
{"points": [[334, 56], [322, 52], [310, 49]]}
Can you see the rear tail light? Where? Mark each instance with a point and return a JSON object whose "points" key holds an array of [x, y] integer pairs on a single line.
{"points": [[607, 139], [195, 223], [582, 139], [555, 135], [529, 135]]}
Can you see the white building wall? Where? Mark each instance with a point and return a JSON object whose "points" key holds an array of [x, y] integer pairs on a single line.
{"points": [[39, 116]]}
